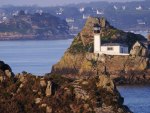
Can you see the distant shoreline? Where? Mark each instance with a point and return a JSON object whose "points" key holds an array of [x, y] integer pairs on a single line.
{"points": [[36, 40], [62, 37]]}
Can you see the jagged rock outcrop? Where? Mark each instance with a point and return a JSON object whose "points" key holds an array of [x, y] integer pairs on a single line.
{"points": [[48, 91], [106, 83], [138, 49], [26, 93], [43, 82], [79, 59], [106, 99]]}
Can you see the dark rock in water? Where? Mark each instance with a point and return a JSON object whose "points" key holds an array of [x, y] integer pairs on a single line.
{"points": [[1, 64], [4, 66], [80, 60], [5, 72], [26, 93]]}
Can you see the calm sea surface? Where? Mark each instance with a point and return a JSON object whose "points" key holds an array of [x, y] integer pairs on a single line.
{"points": [[137, 98], [37, 57]]}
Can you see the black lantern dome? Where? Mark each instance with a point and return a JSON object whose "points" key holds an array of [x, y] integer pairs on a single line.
{"points": [[96, 28]]}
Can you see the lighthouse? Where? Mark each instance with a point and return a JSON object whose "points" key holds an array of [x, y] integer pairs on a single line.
{"points": [[107, 48], [97, 38]]}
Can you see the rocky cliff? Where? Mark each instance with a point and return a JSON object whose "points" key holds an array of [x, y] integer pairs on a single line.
{"points": [[80, 60], [26, 93]]}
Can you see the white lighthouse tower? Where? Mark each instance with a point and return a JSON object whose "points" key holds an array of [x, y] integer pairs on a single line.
{"points": [[97, 38]]}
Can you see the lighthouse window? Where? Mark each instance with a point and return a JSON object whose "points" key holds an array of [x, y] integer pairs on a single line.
{"points": [[109, 48]]}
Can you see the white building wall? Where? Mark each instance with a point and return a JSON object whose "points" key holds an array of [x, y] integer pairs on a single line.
{"points": [[116, 50], [97, 43]]}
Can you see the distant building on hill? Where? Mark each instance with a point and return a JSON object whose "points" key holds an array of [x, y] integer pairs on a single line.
{"points": [[115, 7], [70, 20], [86, 16], [141, 22], [81, 9], [60, 11], [123, 7], [99, 12], [139, 8]]}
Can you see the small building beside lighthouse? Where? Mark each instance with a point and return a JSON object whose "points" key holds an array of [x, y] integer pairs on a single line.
{"points": [[108, 48]]}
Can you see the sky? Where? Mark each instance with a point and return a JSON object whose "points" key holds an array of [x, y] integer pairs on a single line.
{"points": [[49, 2]]}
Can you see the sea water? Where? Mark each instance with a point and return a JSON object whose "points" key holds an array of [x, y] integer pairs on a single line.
{"points": [[137, 98], [36, 57]]}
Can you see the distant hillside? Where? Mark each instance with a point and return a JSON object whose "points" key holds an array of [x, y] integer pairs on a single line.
{"points": [[123, 15], [128, 16], [33, 26]]}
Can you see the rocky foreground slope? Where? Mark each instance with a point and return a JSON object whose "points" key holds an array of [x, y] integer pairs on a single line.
{"points": [[80, 60], [26, 93]]}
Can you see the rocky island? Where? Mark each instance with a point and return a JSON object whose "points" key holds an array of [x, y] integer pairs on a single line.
{"points": [[80, 58], [35, 26], [26, 93]]}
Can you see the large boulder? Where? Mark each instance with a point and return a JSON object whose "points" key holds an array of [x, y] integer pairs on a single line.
{"points": [[48, 91], [106, 83], [139, 49]]}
